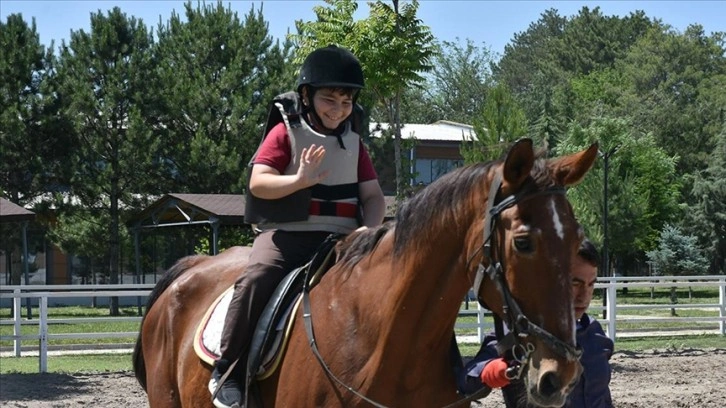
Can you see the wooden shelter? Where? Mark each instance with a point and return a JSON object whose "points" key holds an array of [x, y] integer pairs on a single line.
{"points": [[13, 213]]}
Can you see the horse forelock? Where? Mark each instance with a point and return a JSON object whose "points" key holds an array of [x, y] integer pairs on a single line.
{"points": [[541, 174]]}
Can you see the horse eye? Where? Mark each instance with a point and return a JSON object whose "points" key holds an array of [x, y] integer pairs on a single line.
{"points": [[523, 244]]}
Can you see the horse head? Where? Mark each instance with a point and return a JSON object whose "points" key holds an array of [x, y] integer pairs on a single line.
{"points": [[530, 236]]}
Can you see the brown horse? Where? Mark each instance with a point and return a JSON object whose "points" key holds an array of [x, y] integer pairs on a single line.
{"points": [[384, 314]]}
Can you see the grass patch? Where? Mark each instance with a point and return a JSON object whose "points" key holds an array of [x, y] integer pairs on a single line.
{"points": [[662, 295], [73, 312], [87, 363], [95, 363], [64, 312], [670, 342]]}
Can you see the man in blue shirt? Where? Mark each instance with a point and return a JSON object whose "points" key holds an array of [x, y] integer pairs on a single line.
{"points": [[593, 388]]}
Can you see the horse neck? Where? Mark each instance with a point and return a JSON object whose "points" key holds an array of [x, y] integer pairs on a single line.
{"points": [[430, 273], [422, 294]]}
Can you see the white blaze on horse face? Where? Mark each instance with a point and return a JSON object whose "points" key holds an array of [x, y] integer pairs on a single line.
{"points": [[556, 219]]}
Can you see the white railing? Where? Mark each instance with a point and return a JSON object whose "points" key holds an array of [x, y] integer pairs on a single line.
{"points": [[483, 325], [45, 292], [612, 284]]}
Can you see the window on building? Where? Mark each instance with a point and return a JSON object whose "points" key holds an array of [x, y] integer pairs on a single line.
{"points": [[428, 170]]}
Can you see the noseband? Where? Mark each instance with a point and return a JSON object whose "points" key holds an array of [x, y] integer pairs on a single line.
{"points": [[519, 325]]}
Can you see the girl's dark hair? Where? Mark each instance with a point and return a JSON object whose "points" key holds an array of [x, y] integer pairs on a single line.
{"points": [[589, 253]]}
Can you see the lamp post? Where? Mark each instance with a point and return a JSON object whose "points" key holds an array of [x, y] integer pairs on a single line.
{"points": [[605, 255], [606, 169]]}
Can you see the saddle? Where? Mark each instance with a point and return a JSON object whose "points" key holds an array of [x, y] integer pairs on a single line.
{"points": [[273, 328]]}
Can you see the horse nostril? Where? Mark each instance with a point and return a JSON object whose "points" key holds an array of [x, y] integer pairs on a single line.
{"points": [[549, 384]]}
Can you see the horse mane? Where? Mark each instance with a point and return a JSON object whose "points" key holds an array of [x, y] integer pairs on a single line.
{"points": [[416, 218], [358, 244], [437, 204], [178, 269]]}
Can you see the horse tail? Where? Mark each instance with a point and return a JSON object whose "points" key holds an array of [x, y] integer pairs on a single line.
{"points": [[177, 270]]}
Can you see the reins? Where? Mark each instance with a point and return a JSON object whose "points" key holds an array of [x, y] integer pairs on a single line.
{"points": [[308, 320], [519, 325]]}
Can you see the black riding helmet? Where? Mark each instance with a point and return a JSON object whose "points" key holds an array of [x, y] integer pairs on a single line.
{"points": [[331, 67]]}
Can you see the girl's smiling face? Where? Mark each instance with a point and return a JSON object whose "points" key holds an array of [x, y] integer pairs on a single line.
{"points": [[333, 106]]}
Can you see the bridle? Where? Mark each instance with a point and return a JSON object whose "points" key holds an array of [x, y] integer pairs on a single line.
{"points": [[519, 325]]}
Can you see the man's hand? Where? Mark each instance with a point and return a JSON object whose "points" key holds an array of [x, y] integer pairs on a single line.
{"points": [[494, 374]]}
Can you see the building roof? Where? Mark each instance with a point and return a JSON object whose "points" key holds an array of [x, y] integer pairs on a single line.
{"points": [[442, 130], [11, 212], [179, 209], [187, 209]]}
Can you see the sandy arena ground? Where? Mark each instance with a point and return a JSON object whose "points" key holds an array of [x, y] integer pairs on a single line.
{"points": [[654, 379]]}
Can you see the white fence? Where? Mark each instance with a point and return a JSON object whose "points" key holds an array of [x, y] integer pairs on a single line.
{"points": [[716, 311]]}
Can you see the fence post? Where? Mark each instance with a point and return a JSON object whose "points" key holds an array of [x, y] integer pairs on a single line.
{"points": [[17, 331], [612, 303], [722, 302], [43, 334], [480, 322]]}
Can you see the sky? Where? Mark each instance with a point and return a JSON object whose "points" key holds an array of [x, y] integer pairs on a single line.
{"points": [[489, 24]]}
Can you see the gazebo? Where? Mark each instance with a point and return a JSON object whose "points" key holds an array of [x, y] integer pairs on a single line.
{"points": [[175, 210], [13, 213]]}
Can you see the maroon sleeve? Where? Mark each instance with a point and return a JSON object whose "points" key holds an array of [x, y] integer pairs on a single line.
{"points": [[275, 149], [366, 171]]}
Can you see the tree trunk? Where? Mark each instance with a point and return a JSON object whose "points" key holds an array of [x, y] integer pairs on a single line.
{"points": [[114, 245], [92, 269], [397, 146]]}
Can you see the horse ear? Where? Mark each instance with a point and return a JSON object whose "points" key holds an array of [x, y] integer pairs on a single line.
{"points": [[569, 170], [518, 163]]}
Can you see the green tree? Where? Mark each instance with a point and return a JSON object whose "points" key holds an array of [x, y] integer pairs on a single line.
{"points": [[707, 218], [417, 106], [78, 232], [102, 78], [642, 193], [460, 80], [455, 89], [677, 254], [591, 41], [33, 141], [541, 62], [529, 67], [214, 79], [502, 122], [672, 93], [393, 45]]}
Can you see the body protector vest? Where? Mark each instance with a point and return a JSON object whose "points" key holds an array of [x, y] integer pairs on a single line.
{"points": [[332, 205]]}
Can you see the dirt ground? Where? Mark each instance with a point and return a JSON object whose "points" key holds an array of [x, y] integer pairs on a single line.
{"points": [[653, 379]]}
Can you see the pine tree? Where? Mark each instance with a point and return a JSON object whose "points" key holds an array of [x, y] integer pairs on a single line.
{"points": [[707, 219], [215, 79], [102, 76]]}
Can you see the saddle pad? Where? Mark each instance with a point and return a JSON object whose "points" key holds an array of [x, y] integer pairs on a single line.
{"points": [[208, 337]]}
